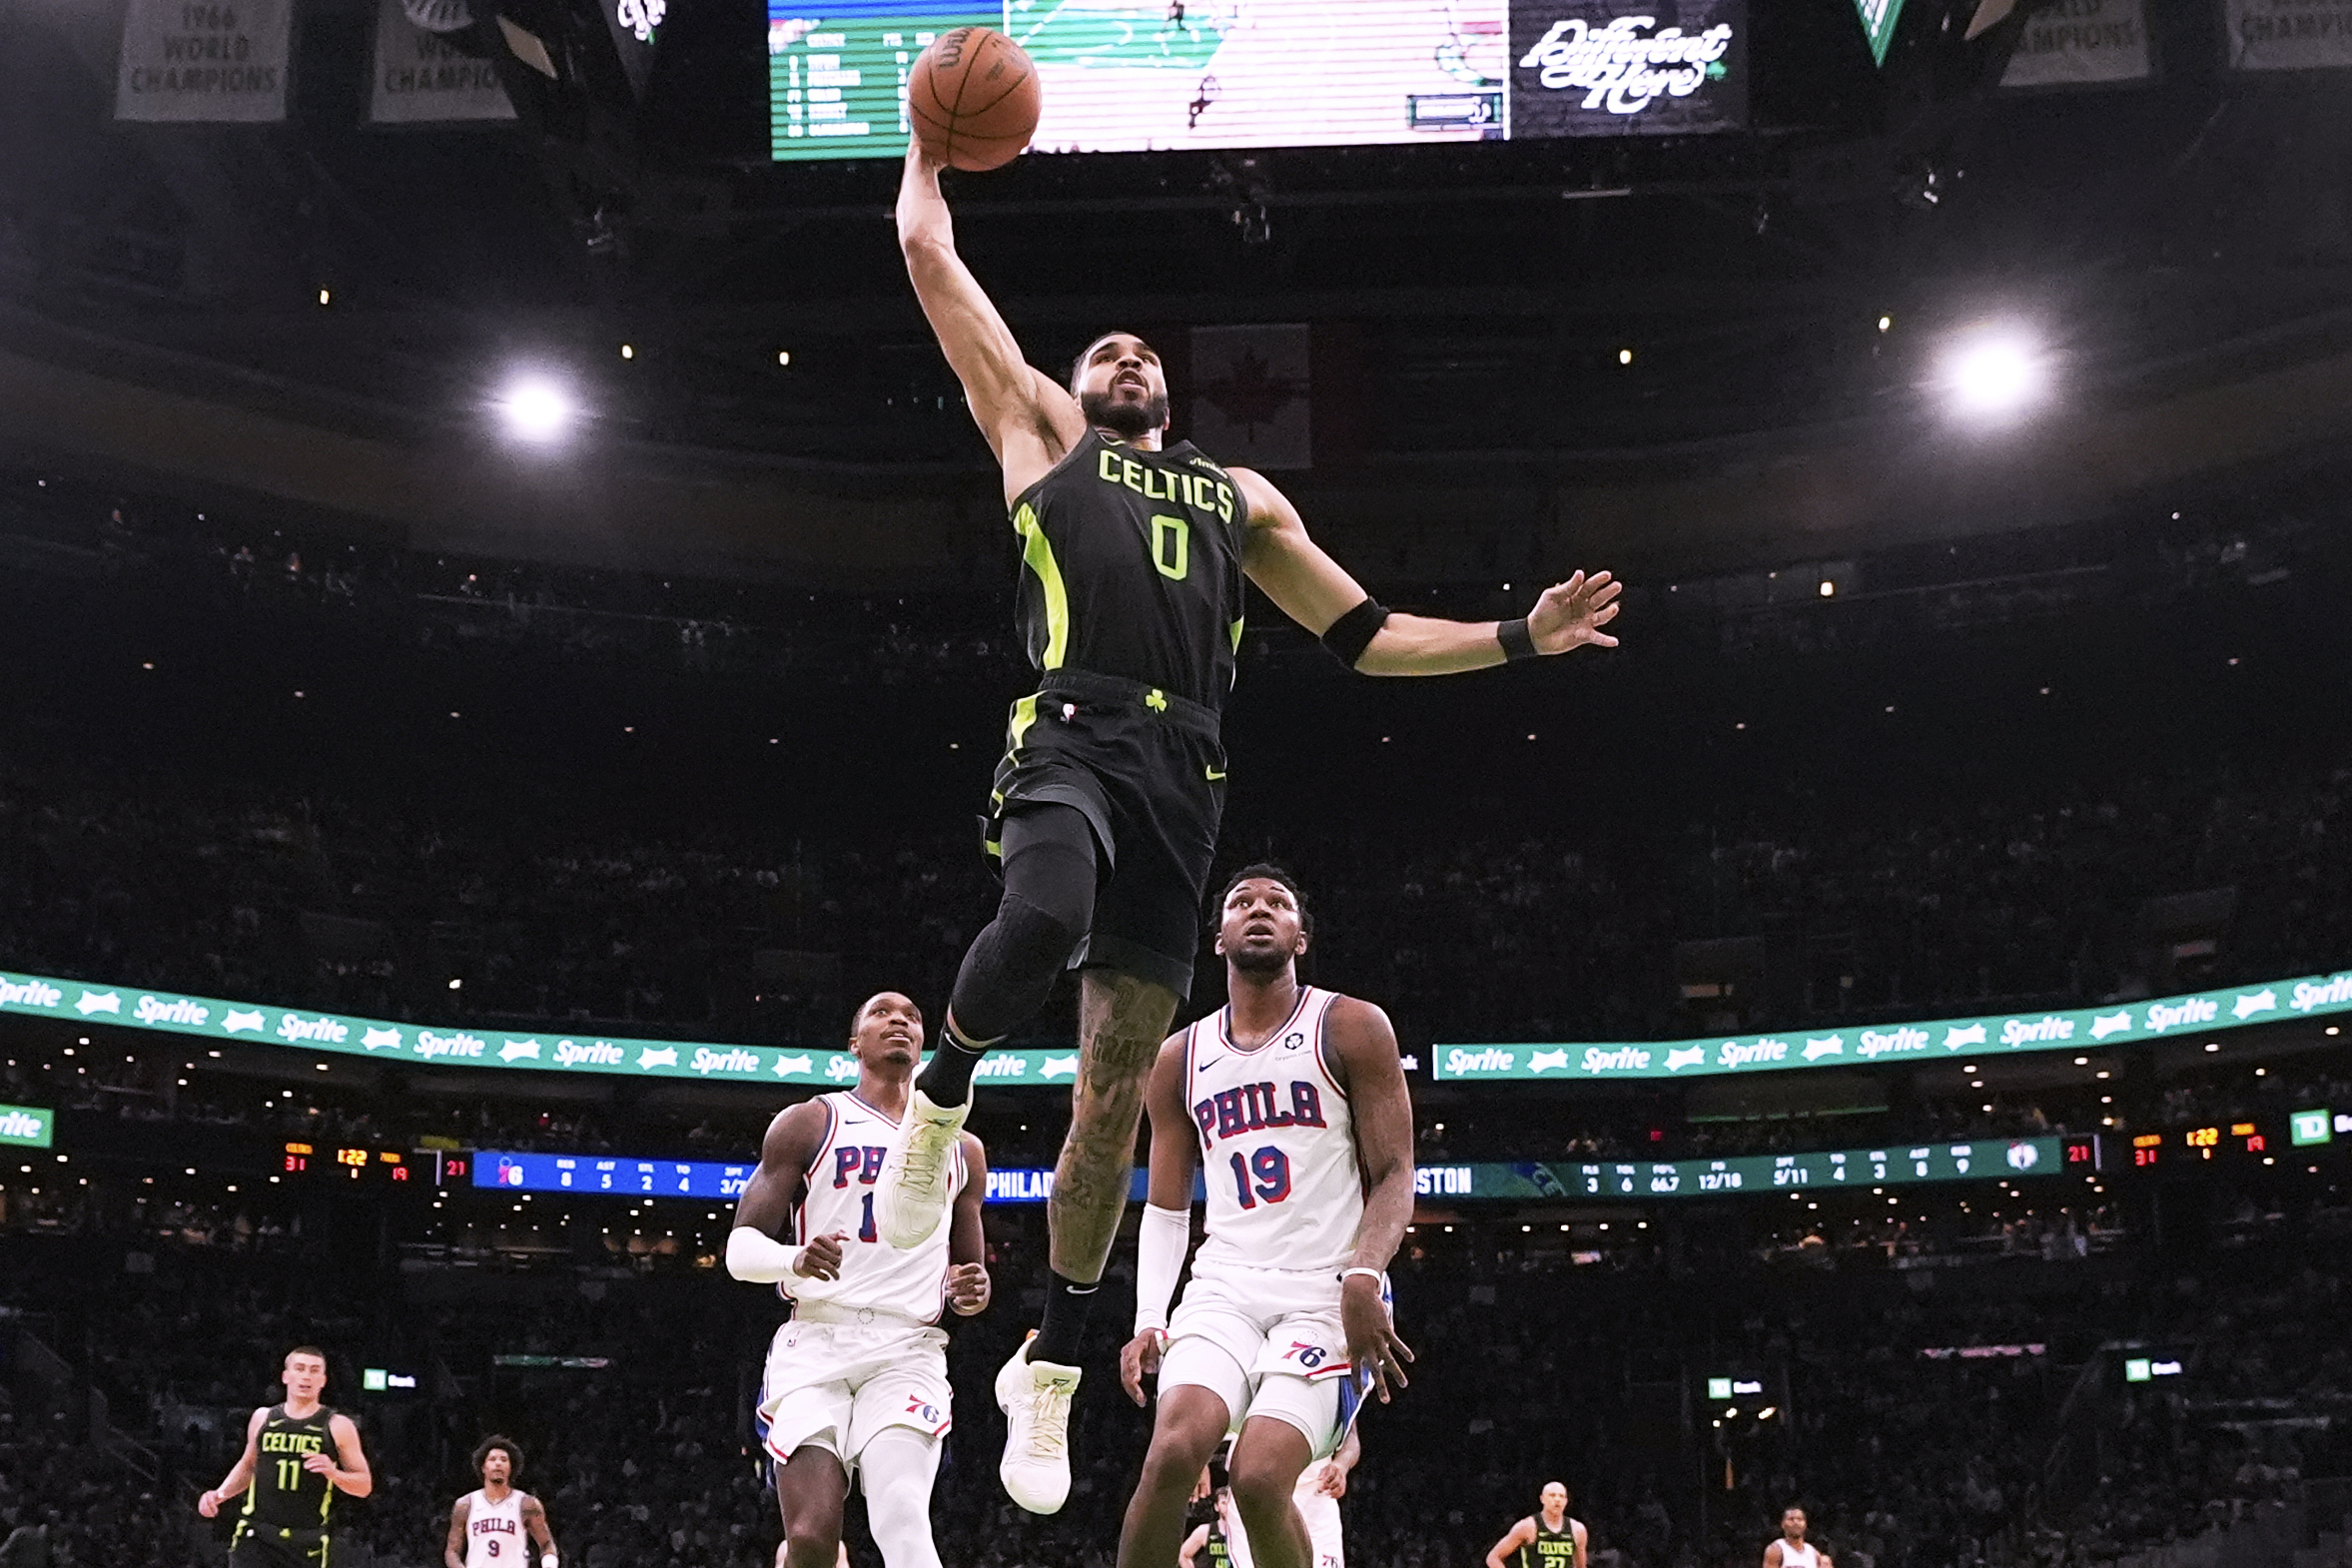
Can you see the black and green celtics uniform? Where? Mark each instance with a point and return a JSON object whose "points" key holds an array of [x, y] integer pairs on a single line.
{"points": [[1550, 1548], [1219, 1551], [284, 1521], [1130, 607]]}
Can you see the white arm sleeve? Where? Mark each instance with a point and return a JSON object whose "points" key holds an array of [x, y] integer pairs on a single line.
{"points": [[759, 1259], [1161, 1240]]}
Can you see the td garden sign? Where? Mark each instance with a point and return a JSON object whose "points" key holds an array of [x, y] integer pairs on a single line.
{"points": [[2207, 1011]]}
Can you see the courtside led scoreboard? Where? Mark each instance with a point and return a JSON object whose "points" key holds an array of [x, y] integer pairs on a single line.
{"points": [[1158, 75]]}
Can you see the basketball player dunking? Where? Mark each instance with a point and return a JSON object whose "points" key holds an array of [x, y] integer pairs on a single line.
{"points": [[1291, 1104], [1792, 1550], [488, 1526], [1105, 807], [857, 1380], [1546, 1538], [298, 1455]]}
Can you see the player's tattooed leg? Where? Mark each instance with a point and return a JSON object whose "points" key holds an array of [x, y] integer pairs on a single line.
{"points": [[1121, 1022]]}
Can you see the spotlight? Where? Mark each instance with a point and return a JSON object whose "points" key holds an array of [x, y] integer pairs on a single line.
{"points": [[1994, 372], [536, 409]]}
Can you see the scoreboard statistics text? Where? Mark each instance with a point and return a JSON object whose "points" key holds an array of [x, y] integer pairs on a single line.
{"points": [[1158, 75]]}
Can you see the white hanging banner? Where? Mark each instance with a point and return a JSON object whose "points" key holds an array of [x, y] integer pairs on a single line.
{"points": [[194, 61], [1249, 395], [2289, 35], [2083, 42], [421, 80]]}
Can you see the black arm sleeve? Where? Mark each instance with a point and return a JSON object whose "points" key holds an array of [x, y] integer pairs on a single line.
{"points": [[1353, 632]]}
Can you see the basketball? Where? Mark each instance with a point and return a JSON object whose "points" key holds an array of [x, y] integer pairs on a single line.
{"points": [[974, 99]]}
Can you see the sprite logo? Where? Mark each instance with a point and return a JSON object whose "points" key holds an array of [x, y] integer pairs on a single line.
{"points": [[25, 1124]]}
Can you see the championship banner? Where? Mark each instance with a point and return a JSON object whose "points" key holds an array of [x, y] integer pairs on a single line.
{"points": [[1878, 21], [210, 1017], [1250, 404], [2289, 35], [201, 63], [27, 1126], [420, 79], [2083, 42], [1622, 68], [2206, 1013]]}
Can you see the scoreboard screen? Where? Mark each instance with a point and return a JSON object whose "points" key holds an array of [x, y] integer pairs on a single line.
{"points": [[609, 1175], [1158, 75], [1983, 1160]]}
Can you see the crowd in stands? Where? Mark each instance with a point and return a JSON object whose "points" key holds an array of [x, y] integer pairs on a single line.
{"points": [[1912, 1443], [742, 929]]}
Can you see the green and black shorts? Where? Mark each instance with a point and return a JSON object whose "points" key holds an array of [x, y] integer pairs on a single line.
{"points": [[1149, 771]]}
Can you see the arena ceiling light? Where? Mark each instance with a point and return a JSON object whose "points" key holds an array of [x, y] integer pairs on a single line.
{"points": [[536, 407], [1994, 372]]}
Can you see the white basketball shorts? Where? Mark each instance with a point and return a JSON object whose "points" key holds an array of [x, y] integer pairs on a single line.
{"points": [[833, 1385], [1267, 1342]]}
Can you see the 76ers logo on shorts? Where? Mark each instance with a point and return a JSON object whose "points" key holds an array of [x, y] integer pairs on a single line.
{"points": [[922, 1413], [1309, 1357]]}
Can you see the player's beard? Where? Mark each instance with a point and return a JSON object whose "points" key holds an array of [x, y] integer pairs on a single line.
{"points": [[1130, 420], [1260, 961]]}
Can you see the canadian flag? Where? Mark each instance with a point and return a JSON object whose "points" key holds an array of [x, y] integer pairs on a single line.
{"points": [[1249, 395]]}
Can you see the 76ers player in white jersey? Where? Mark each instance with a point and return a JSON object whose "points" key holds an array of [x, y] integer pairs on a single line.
{"points": [[857, 1380], [1792, 1550], [1291, 1106], [498, 1526]]}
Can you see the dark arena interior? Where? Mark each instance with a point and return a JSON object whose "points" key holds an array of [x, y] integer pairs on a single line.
{"points": [[508, 616]]}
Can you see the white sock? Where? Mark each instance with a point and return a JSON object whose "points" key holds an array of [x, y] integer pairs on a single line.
{"points": [[896, 1470]]}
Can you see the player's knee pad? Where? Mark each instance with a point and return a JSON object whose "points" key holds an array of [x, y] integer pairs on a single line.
{"points": [[1010, 967]]}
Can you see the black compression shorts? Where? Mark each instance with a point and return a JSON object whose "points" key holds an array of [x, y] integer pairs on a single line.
{"points": [[1146, 769]]}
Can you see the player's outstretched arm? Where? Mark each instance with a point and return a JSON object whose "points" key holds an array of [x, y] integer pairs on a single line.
{"points": [[1518, 1535], [1317, 592], [1165, 1233], [535, 1519], [761, 1213], [454, 1548], [968, 1287], [240, 1475], [1363, 1046], [1030, 420]]}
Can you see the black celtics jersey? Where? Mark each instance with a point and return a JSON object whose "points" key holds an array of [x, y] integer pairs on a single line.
{"points": [[1132, 567], [282, 1496], [1550, 1548]]}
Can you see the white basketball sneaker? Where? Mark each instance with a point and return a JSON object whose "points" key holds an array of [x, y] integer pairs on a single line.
{"points": [[1034, 1396], [911, 1196]]}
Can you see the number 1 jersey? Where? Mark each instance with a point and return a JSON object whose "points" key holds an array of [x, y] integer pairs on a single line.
{"points": [[1277, 1145], [838, 1197]]}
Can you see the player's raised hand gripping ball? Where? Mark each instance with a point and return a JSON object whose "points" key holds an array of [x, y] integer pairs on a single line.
{"points": [[972, 98]]}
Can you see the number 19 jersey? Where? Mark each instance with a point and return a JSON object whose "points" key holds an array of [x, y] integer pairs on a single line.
{"points": [[1277, 1145]]}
